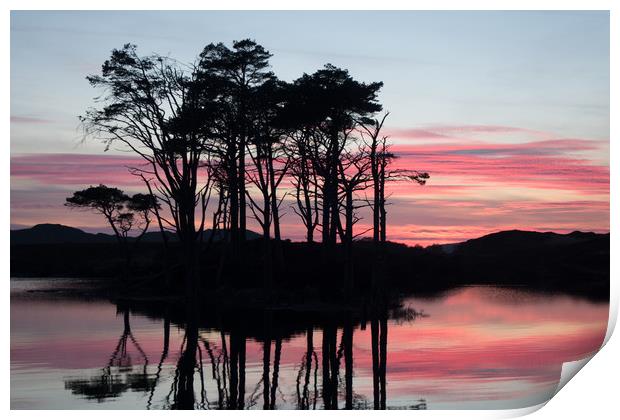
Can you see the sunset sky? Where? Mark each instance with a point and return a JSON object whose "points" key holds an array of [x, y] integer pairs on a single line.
{"points": [[507, 111]]}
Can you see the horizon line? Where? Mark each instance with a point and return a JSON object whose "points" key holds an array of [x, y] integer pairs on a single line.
{"points": [[608, 232]]}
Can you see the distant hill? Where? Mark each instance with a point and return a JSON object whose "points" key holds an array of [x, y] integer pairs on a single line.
{"points": [[575, 262], [48, 233], [53, 234], [517, 241]]}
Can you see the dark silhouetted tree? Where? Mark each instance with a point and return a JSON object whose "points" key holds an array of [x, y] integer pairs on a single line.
{"points": [[380, 160], [123, 213], [354, 177], [151, 106], [335, 101], [108, 201], [269, 167], [236, 73], [304, 180]]}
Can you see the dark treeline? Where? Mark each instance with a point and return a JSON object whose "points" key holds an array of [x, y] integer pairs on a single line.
{"points": [[223, 139], [576, 263]]}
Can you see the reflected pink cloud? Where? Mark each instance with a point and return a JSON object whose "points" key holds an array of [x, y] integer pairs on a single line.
{"points": [[477, 344]]}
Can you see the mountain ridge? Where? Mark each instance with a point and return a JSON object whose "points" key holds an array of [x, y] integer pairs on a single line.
{"points": [[518, 239], [53, 233]]}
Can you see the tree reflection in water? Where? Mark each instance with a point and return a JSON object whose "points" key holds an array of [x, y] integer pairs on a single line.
{"points": [[119, 374], [218, 362], [304, 395]]}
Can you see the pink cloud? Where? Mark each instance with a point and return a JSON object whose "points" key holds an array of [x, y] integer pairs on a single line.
{"points": [[76, 169], [546, 164], [555, 147], [482, 129], [459, 132], [415, 133], [475, 188]]}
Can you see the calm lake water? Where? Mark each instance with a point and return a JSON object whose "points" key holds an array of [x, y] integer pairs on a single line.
{"points": [[477, 347]]}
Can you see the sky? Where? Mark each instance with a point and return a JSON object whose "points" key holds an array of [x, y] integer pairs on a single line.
{"points": [[507, 111]]}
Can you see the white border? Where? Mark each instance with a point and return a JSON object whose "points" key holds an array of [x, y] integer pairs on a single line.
{"points": [[592, 395]]}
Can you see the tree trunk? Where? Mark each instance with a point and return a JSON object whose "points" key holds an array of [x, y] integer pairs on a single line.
{"points": [[325, 349], [376, 188], [334, 160], [234, 208], [234, 371], [326, 211], [347, 336], [383, 358], [309, 219], [334, 367], [242, 347], [309, 350], [276, 371], [241, 186], [275, 212], [330, 367], [348, 286], [374, 337], [184, 397], [166, 336], [383, 213], [267, 249], [266, 358], [274, 197], [335, 215]]}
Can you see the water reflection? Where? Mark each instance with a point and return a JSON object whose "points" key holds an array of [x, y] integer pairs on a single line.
{"points": [[164, 355], [119, 374], [308, 393], [224, 364], [473, 348]]}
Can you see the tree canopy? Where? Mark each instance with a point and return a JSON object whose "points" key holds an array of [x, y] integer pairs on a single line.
{"points": [[227, 125]]}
